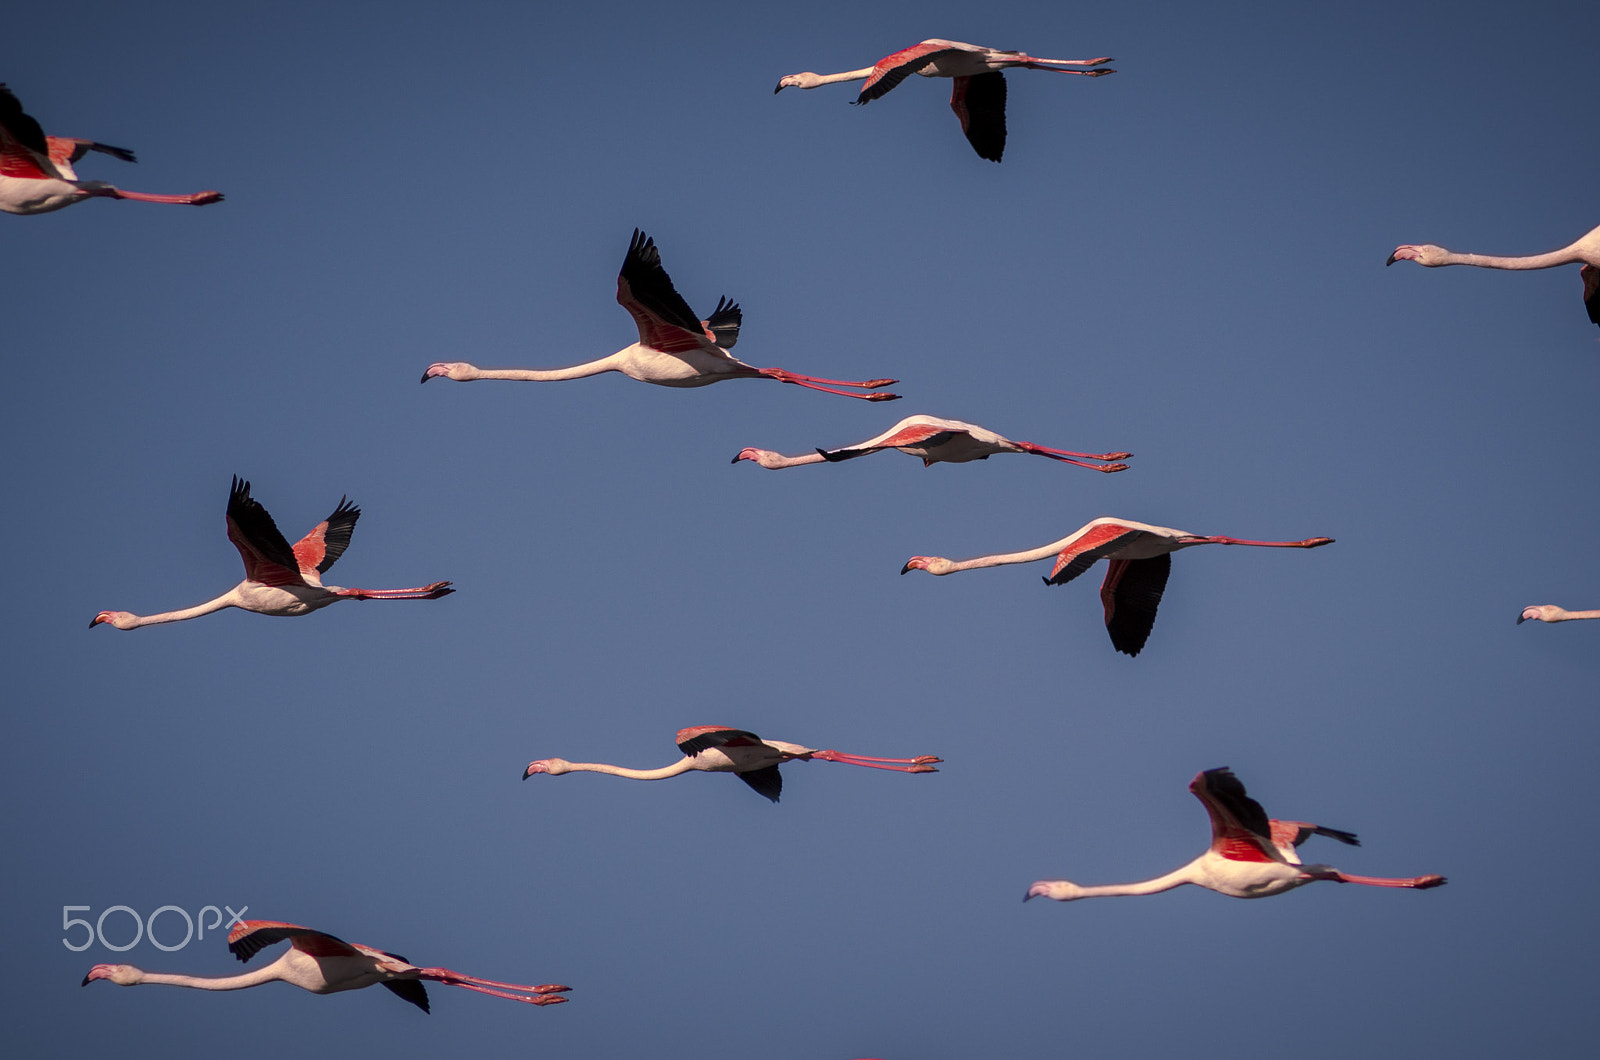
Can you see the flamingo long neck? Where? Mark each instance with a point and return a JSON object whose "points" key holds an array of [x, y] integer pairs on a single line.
{"points": [[608, 363], [1564, 256], [1005, 558], [683, 765], [780, 460], [1566, 615], [225, 600], [849, 75], [1175, 878], [200, 982]]}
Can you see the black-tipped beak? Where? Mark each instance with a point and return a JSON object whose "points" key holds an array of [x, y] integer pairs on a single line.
{"points": [[85, 981], [735, 460], [1521, 619], [778, 89], [905, 568], [425, 377], [95, 622], [1391, 261]]}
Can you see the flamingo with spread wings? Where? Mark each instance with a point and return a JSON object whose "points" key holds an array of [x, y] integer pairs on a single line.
{"points": [[36, 174], [1140, 558], [278, 579], [978, 96], [935, 440], [323, 964], [1251, 855], [719, 749], [675, 347]]}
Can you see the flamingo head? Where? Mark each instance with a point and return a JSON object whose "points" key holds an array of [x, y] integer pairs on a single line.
{"points": [[121, 974], [120, 619], [1060, 890], [805, 80], [1540, 612], [1424, 254], [554, 766], [457, 370], [765, 457], [931, 564]]}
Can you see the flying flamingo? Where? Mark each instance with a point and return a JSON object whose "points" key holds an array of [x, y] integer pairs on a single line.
{"points": [[36, 170], [1552, 613], [675, 347], [934, 440], [978, 96], [322, 964], [1250, 856], [1141, 559], [719, 749], [278, 579], [1586, 250]]}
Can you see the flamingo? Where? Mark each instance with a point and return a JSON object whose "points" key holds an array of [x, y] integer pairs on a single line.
{"points": [[934, 440], [1552, 613], [1586, 250], [719, 749], [675, 348], [323, 964], [278, 579], [978, 96], [1250, 856], [1141, 559], [36, 170]]}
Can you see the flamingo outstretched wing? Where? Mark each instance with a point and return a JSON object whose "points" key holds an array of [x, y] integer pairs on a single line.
{"points": [[692, 741], [645, 290], [252, 936], [1591, 291], [1095, 543], [724, 322], [980, 103], [65, 150], [921, 435], [326, 542], [1131, 593], [1240, 830], [24, 148], [268, 559], [410, 990], [893, 69]]}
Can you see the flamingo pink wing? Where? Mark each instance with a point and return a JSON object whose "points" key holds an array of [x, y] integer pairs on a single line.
{"points": [[23, 144], [1098, 542], [893, 69], [268, 559], [252, 936], [645, 290], [1240, 829], [326, 542]]}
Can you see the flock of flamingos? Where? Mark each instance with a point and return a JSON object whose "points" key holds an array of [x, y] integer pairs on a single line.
{"points": [[1250, 854]]}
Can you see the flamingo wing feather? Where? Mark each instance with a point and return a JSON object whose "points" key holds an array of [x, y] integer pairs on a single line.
{"points": [[893, 69], [326, 542], [980, 103], [767, 782], [410, 990], [1240, 828], [645, 290], [692, 741], [1097, 543], [1591, 291], [1131, 593], [268, 559], [252, 936]]}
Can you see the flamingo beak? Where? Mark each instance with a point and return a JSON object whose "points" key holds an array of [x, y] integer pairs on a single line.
{"points": [[778, 89], [1521, 619]]}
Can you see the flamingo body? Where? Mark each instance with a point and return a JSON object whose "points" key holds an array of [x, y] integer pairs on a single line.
{"points": [[1251, 855], [978, 96], [280, 580], [675, 348], [1136, 577], [324, 964], [720, 749], [36, 174], [934, 440], [1586, 251]]}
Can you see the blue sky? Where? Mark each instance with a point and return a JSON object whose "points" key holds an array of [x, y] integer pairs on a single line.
{"points": [[1184, 260]]}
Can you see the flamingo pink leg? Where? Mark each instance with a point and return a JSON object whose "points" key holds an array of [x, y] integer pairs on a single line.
{"points": [[920, 764], [199, 198], [445, 975], [1066, 457], [425, 592], [1310, 542], [1421, 883], [810, 383], [542, 999]]}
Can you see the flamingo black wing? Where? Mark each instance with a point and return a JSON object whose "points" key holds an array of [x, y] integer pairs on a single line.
{"points": [[20, 125], [410, 990], [767, 782], [692, 741], [643, 285], [250, 937], [980, 103], [328, 539], [893, 69], [267, 556], [1591, 291], [1094, 544], [1131, 593], [724, 322]]}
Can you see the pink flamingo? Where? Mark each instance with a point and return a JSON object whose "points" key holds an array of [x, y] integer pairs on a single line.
{"points": [[978, 96], [719, 749], [1586, 250], [278, 579], [934, 440], [36, 170], [1250, 856], [1552, 613], [322, 964], [1141, 559], [675, 348]]}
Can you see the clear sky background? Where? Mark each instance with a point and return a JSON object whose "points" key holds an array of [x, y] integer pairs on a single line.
{"points": [[1184, 260]]}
